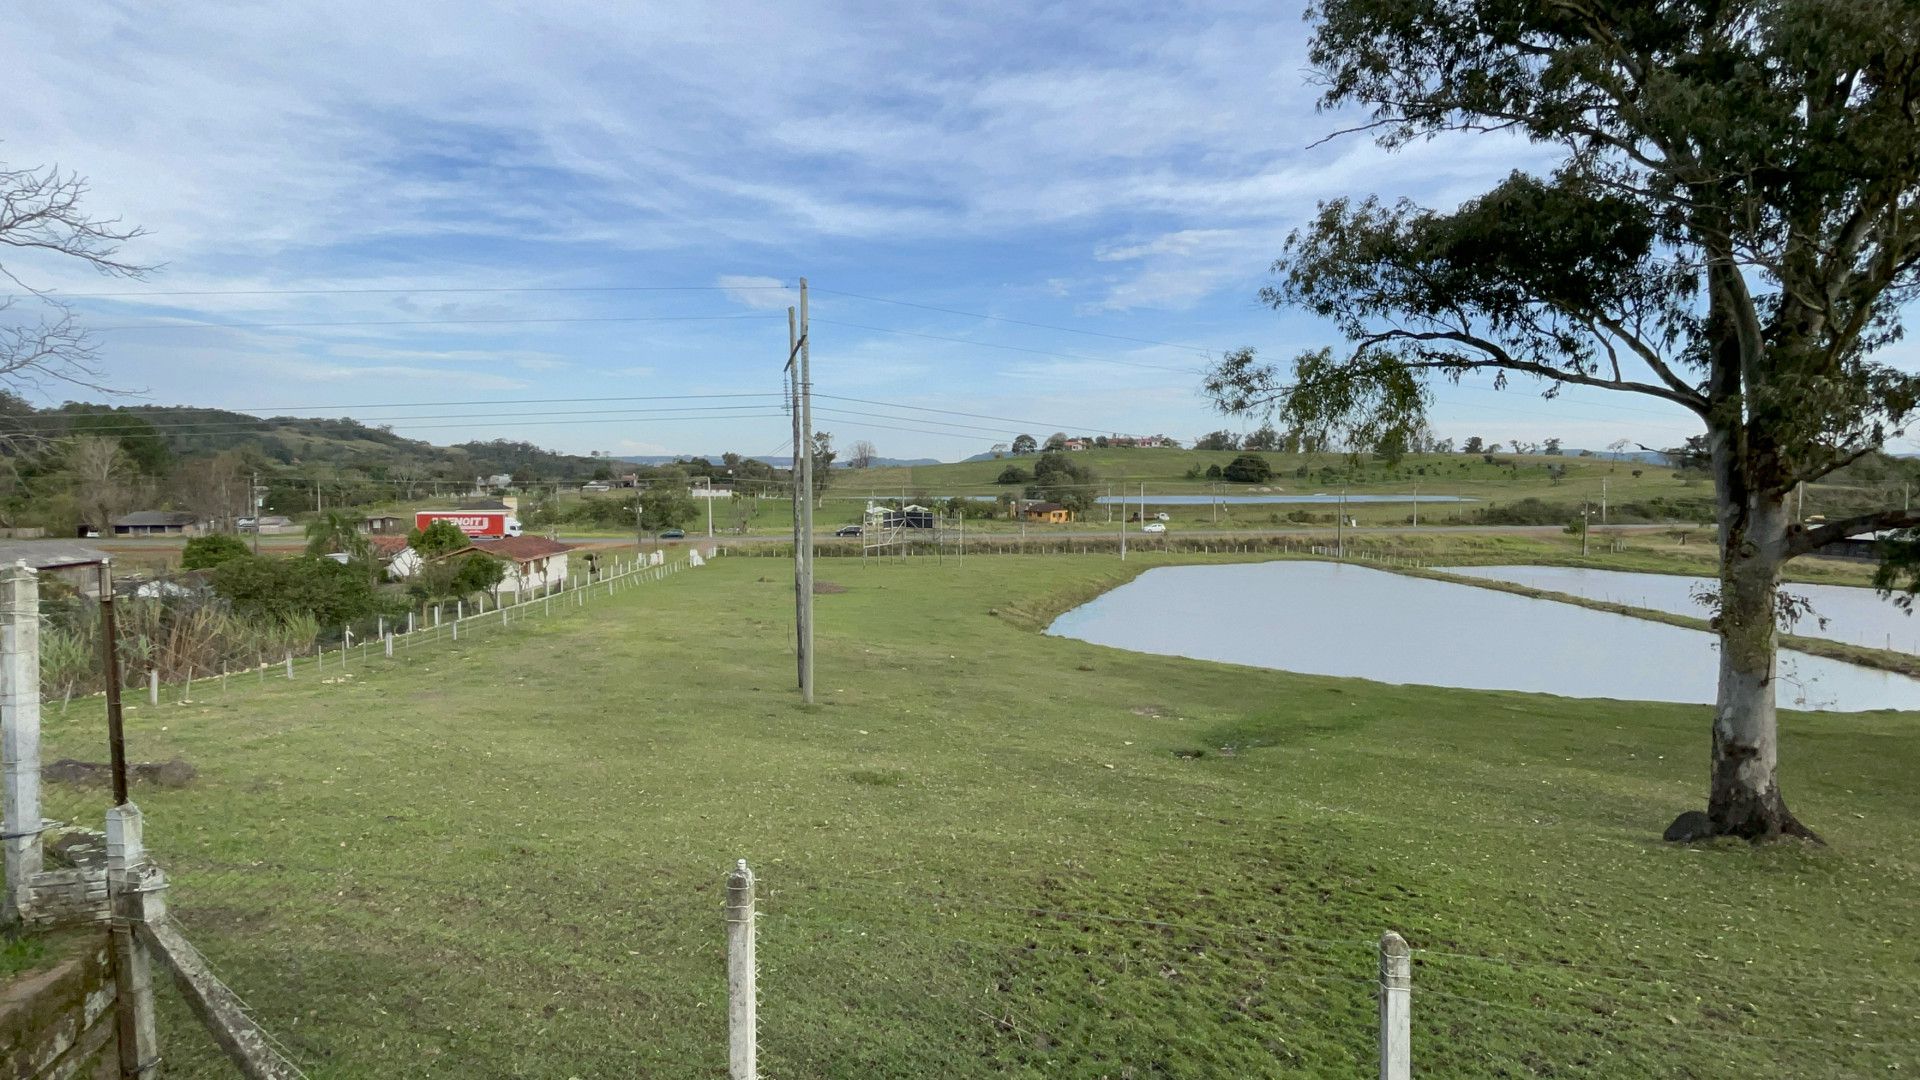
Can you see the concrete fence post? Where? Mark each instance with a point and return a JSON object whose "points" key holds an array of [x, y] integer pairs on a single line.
{"points": [[134, 889], [389, 640], [743, 1047], [1396, 1008], [20, 734], [153, 686]]}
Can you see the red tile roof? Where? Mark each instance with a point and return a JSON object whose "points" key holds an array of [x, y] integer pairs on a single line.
{"points": [[387, 546], [522, 548]]}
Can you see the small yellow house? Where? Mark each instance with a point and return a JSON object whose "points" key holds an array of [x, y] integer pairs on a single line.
{"points": [[1050, 512]]}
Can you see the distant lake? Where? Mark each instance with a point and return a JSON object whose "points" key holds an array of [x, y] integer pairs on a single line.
{"points": [[1324, 618], [1854, 615]]}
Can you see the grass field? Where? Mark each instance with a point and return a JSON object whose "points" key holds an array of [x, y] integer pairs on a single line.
{"points": [[989, 852]]}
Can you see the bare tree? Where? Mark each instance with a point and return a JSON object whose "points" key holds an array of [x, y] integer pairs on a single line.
{"points": [[214, 488], [101, 478], [42, 343], [861, 455]]}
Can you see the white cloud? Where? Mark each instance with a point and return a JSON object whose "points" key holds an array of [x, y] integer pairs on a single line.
{"points": [[759, 292]]}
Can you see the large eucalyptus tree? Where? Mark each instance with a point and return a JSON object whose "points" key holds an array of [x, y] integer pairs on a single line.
{"points": [[1731, 224]]}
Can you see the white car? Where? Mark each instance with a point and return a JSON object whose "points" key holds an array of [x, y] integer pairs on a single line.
{"points": [[1154, 526]]}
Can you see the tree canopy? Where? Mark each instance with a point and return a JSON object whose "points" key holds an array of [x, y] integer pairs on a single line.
{"points": [[1730, 229]]}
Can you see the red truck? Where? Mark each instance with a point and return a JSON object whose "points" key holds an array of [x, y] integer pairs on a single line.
{"points": [[479, 524]]}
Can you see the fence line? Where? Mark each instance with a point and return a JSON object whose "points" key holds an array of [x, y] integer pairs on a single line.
{"points": [[396, 638]]}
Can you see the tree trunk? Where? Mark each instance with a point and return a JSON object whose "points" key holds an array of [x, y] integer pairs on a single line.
{"points": [[1745, 799]]}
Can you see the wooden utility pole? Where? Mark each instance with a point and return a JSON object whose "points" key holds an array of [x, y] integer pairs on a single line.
{"points": [[799, 347]]}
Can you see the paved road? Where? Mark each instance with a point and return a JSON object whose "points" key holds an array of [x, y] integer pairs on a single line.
{"points": [[287, 543]]}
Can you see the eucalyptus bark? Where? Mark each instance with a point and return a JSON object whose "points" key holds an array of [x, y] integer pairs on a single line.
{"points": [[1744, 797]]}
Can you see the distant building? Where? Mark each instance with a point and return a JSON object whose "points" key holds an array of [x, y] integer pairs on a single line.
{"points": [[1076, 444], [533, 562], [381, 524], [401, 560], [1051, 513], [156, 523], [596, 486], [484, 504], [76, 564]]}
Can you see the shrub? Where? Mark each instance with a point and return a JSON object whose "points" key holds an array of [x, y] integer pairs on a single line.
{"points": [[207, 552], [1248, 469], [1013, 474], [334, 593]]}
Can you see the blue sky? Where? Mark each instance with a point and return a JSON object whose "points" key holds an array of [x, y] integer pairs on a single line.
{"points": [[1116, 172]]}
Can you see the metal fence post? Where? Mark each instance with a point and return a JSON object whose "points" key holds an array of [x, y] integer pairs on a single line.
{"points": [[742, 1002], [1396, 1008]]}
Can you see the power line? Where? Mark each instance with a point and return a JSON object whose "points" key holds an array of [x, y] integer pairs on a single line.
{"points": [[390, 291], [1008, 348], [1015, 322], [255, 423], [432, 322], [977, 416]]}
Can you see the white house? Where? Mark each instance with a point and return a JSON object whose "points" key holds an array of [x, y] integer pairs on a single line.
{"points": [[401, 561], [533, 562]]}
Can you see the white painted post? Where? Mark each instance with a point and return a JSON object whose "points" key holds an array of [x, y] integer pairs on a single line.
{"points": [[456, 629], [134, 887], [409, 621], [742, 999], [1396, 1008], [389, 641], [459, 610], [153, 686], [20, 733], [289, 663]]}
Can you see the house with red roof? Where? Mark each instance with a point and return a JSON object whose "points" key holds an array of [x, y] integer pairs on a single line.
{"points": [[533, 562]]}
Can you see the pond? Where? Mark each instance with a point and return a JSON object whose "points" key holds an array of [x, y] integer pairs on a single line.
{"points": [[1318, 499], [1854, 615], [1324, 618]]}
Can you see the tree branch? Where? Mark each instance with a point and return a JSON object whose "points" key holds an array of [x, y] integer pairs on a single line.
{"points": [[1809, 540], [1506, 361]]}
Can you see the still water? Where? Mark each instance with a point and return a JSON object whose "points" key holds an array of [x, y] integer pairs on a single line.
{"points": [[1854, 615], [1339, 619]]}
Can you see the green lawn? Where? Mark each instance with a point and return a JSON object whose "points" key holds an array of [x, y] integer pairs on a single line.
{"points": [[989, 852]]}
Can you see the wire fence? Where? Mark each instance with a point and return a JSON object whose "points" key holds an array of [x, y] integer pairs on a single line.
{"points": [[76, 789], [561, 973]]}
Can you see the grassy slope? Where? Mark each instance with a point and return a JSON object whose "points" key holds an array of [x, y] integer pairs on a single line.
{"points": [[981, 855], [1165, 471]]}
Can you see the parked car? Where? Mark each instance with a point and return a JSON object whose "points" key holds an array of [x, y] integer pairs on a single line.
{"points": [[847, 530], [1154, 526], [674, 534]]}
